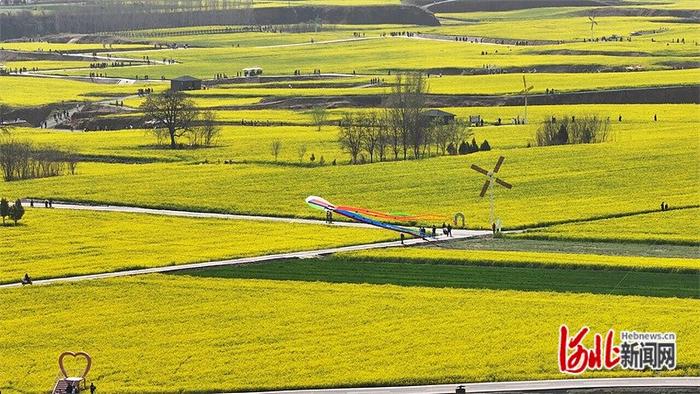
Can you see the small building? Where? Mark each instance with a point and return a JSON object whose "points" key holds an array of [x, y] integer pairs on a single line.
{"points": [[474, 120], [185, 83], [438, 116], [252, 71]]}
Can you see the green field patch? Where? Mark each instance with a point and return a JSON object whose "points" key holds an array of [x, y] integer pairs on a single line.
{"points": [[375, 270]]}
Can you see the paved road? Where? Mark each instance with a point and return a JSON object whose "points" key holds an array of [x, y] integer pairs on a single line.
{"points": [[534, 386]]}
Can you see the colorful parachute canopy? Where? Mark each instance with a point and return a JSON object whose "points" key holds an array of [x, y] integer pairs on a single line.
{"points": [[357, 214]]}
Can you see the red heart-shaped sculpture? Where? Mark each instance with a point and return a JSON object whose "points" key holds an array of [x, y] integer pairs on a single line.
{"points": [[87, 357]]}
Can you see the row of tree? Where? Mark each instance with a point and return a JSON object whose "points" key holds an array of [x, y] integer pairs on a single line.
{"points": [[372, 137], [14, 212], [24, 160], [401, 131]]}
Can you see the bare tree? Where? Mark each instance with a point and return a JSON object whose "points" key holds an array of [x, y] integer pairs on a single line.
{"points": [[404, 106], [4, 129], [370, 133], [383, 137], [209, 131], [301, 151], [319, 115], [351, 137], [451, 133], [171, 111], [276, 148], [72, 161]]}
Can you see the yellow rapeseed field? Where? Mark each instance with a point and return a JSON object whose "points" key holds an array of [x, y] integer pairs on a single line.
{"points": [[161, 334], [52, 242], [675, 226]]}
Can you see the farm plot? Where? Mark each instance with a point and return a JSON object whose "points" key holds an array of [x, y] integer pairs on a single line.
{"points": [[21, 91], [676, 226], [60, 243], [310, 334]]}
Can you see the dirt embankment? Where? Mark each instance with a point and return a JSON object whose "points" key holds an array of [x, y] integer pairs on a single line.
{"points": [[454, 6], [36, 115], [652, 95]]}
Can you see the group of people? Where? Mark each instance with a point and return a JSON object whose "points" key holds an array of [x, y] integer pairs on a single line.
{"points": [[63, 115], [664, 206], [74, 389], [259, 123], [144, 91], [423, 232], [47, 203]]}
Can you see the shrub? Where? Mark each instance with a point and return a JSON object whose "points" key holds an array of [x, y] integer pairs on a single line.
{"points": [[16, 211], [463, 148], [4, 209], [474, 147]]}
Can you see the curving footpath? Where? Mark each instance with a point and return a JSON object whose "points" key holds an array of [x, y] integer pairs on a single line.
{"points": [[659, 385]]}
